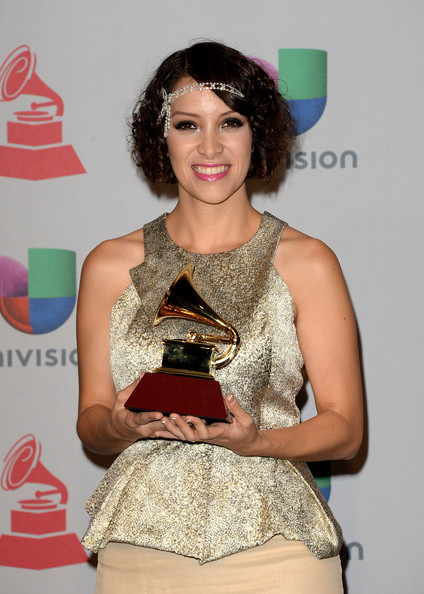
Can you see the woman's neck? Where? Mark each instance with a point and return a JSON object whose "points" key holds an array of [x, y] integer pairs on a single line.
{"points": [[206, 228]]}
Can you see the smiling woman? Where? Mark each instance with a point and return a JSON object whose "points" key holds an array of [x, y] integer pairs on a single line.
{"points": [[240, 83], [189, 506]]}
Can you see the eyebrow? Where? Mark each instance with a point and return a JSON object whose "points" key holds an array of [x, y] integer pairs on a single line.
{"points": [[196, 115]]}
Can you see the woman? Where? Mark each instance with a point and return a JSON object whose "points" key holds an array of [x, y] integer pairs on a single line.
{"points": [[229, 506]]}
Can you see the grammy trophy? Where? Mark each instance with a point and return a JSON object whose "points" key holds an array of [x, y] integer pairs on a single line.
{"points": [[184, 384]]}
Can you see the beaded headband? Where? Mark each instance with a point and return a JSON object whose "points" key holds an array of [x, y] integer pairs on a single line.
{"points": [[168, 99]]}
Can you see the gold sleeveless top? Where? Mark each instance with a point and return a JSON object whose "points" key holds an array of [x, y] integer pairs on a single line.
{"points": [[201, 500]]}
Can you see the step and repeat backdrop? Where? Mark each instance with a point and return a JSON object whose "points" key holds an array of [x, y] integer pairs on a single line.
{"points": [[70, 73]]}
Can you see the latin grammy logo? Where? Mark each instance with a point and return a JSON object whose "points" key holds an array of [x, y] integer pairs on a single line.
{"points": [[38, 538], [34, 148]]}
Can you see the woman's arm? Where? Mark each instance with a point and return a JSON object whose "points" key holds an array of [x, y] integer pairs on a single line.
{"points": [[104, 425], [327, 336]]}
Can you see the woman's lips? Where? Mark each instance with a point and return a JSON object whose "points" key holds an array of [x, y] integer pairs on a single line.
{"points": [[210, 172]]}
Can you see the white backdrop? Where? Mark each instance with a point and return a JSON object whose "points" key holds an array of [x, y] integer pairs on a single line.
{"points": [[96, 55]]}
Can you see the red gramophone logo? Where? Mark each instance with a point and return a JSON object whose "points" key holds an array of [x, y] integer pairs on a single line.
{"points": [[34, 148], [38, 538]]}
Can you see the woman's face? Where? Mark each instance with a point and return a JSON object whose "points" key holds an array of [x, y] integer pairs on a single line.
{"points": [[209, 146]]}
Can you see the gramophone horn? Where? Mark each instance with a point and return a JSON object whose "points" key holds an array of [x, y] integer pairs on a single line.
{"points": [[17, 76], [182, 300], [22, 465]]}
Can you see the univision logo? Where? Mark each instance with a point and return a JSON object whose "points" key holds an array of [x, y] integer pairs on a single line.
{"points": [[302, 79], [303, 83], [41, 298]]}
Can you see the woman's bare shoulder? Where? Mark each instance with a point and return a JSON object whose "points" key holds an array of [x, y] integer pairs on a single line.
{"points": [[107, 266], [302, 260], [121, 252], [298, 248]]}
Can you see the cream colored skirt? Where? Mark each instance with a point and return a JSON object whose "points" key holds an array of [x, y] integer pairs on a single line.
{"points": [[278, 566]]}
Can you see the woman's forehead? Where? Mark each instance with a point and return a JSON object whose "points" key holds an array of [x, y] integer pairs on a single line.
{"points": [[197, 99]]}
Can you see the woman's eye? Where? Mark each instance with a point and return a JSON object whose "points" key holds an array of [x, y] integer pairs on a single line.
{"points": [[185, 125], [232, 123]]}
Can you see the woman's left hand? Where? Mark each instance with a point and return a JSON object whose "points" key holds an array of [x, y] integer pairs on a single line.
{"points": [[240, 435]]}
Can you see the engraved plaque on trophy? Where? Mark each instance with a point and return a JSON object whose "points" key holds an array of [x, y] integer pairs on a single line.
{"points": [[184, 384]]}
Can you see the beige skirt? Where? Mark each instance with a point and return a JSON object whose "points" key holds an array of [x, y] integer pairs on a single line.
{"points": [[278, 566]]}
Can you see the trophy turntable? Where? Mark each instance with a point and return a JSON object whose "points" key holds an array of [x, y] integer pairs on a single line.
{"points": [[184, 384]]}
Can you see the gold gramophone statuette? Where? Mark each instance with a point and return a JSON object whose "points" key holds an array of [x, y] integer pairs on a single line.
{"points": [[184, 383]]}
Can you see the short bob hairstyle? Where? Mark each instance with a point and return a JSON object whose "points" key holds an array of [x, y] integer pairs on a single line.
{"points": [[265, 109]]}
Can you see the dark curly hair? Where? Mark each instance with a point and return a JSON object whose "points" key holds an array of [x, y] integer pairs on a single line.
{"points": [[267, 112]]}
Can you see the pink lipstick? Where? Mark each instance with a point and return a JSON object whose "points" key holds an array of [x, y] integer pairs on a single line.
{"points": [[210, 172]]}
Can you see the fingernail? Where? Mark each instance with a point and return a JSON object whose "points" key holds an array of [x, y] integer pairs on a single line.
{"points": [[230, 398]]}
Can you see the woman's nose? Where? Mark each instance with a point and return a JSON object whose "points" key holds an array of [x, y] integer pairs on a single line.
{"points": [[210, 144]]}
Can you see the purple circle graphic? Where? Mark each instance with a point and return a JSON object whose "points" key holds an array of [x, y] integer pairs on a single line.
{"points": [[13, 278], [269, 68]]}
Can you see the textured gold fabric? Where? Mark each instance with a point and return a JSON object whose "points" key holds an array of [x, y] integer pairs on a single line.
{"points": [[201, 500]]}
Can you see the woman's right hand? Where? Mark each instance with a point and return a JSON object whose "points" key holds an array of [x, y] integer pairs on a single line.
{"points": [[130, 425], [110, 429]]}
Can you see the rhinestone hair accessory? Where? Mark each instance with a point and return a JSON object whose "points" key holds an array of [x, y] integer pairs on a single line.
{"points": [[168, 99]]}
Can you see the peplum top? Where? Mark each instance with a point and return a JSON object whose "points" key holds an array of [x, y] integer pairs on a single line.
{"points": [[196, 499]]}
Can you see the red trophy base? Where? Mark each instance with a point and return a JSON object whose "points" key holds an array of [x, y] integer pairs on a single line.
{"points": [[180, 394], [41, 553], [39, 163]]}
